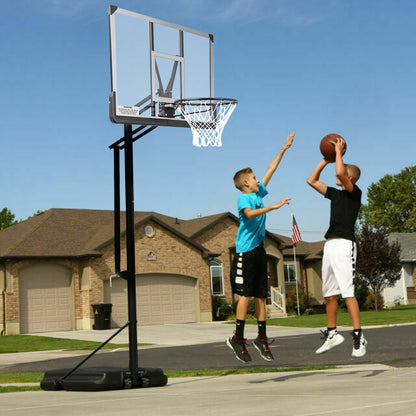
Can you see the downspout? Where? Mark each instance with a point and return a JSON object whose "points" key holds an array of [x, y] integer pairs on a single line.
{"points": [[3, 294]]}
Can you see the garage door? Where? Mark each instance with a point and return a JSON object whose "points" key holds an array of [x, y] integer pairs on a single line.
{"points": [[44, 295], [160, 300]]}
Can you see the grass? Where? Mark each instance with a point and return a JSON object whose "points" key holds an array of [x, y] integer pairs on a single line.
{"points": [[20, 378], [27, 343], [18, 389], [17, 378]]}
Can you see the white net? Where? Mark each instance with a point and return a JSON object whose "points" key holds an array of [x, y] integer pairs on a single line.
{"points": [[207, 118]]}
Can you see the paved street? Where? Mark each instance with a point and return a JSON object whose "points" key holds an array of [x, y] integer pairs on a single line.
{"points": [[391, 346]]}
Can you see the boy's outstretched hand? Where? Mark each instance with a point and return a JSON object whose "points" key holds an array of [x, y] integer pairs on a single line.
{"points": [[281, 203], [289, 140]]}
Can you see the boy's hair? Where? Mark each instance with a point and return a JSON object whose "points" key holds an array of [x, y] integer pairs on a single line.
{"points": [[353, 171], [240, 176]]}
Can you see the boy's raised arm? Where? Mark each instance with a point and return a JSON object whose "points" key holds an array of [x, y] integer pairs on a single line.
{"points": [[253, 213], [340, 170], [275, 162], [313, 179]]}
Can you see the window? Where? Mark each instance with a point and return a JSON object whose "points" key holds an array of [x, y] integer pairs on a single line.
{"points": [[290, 273], [149, 231], [215, 271]]}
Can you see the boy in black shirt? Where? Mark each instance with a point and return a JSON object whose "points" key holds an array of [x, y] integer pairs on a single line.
{"points": [[338, 262]]}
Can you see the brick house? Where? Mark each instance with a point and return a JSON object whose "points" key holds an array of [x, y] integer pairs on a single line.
{"points": [[55, 265]]}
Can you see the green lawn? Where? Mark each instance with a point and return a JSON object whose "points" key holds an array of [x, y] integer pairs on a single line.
{"points": [[26, 343]]}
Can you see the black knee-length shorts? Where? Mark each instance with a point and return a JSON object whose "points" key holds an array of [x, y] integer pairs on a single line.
{"points": [[249, 273]]}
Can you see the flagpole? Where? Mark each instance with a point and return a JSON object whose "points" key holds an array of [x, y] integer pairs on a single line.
{"points": [[296, 267], [296, 277]]}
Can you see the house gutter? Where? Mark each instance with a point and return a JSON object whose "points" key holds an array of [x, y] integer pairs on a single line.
{"points": [[3, 294]]}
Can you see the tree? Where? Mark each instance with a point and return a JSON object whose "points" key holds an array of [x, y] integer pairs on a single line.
{"points": [[378, 261], [392, 202], [6, 219]]}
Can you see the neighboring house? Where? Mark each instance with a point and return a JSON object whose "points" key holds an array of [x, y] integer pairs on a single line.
{"points": [[55, 265], [307, 268], [309, 262], [403, 291]]}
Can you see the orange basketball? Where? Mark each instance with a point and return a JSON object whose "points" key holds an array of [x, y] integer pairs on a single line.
{"points": [[327, 146]]}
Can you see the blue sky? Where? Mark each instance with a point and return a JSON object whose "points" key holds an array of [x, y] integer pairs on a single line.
{"points": [[312, 66]]}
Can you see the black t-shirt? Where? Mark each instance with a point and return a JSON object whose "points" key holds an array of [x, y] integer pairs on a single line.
{"points": [[344, 211]]}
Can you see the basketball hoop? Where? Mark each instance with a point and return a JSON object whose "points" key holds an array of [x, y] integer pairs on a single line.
{"points": [[207, 118]]}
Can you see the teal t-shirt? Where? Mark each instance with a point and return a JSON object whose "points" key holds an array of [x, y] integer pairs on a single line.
{"points": [[252, 231]]}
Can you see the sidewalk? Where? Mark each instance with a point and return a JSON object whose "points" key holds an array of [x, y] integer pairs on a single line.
{"points": [[353, 390]]}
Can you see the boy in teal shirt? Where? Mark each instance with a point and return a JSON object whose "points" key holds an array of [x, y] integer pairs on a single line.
{"points": [[249, 269]]}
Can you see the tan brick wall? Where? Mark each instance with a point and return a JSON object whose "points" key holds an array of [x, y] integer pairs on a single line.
{"points": [[172, 254], [219, 239]]}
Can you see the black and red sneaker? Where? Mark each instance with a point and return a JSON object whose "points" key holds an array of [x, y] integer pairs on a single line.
{"points": [[239, 348], [262, 346]]}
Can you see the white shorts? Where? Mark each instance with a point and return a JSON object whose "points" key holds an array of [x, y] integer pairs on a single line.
{"points": [[338, 268]]}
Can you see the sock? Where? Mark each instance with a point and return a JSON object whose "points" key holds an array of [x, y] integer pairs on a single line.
{"points": [[262, 329], [239, 329], [331, 329], [357, 332]]}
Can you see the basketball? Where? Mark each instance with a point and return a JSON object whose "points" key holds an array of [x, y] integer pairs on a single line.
{"points": [[327, 146]]}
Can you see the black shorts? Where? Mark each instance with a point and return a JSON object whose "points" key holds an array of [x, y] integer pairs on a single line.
{"points": [[249, 273]]}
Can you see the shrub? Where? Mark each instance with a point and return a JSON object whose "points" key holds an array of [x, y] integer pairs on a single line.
{"points": [[361, 294], [251, 311], [370, 302], [221, 309], [291, 302]]}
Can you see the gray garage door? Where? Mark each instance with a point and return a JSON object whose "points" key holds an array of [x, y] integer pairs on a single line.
{"points": [[161, 299], [45, 299]]}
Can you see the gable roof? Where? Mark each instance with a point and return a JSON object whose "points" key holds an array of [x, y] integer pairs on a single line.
{"points": [[57, 233], [74, 233], [308, 251], [407, 242], [197, 226]]}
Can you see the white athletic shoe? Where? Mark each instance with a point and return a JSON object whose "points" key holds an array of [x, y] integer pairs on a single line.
{"points": [[331, 340], [359, 348]]}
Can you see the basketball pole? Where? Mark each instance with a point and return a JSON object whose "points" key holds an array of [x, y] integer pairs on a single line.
{"points": [[117, 250], [126, 143], [130, 248]]}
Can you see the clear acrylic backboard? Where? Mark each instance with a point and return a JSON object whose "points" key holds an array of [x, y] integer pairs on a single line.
{"points": [[153, 64]]}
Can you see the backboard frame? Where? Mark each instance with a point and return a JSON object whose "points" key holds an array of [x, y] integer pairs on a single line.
{"points": [[155, 105]]}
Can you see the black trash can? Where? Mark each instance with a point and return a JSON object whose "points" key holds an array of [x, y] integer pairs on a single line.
{"points": [[102, 315]]}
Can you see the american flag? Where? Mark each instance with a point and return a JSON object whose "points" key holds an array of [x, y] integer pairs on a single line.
{"points": [[295, 232]]}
